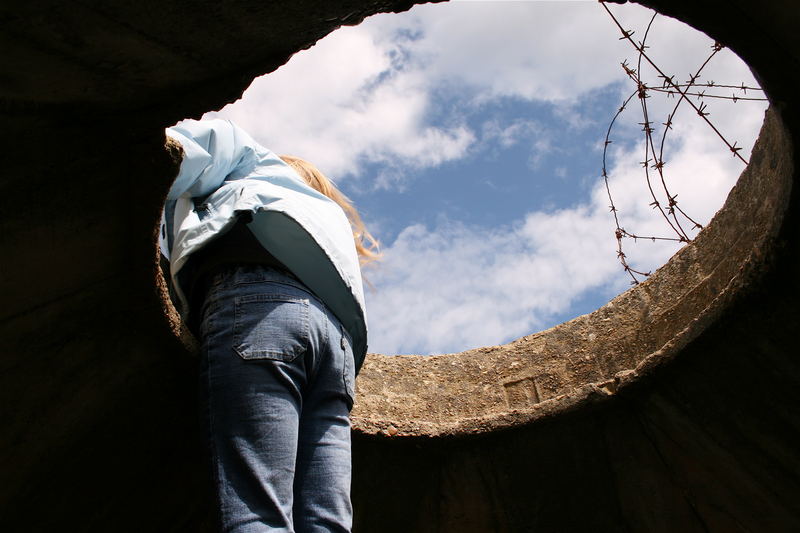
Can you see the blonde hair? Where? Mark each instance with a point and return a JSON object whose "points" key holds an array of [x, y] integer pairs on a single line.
{"points": [[367, 246]]}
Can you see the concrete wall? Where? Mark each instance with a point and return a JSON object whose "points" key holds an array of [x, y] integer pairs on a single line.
{"points": [[674, 407]]}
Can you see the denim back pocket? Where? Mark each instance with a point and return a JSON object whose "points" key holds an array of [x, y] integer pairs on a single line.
{"points": [[270, 326]]}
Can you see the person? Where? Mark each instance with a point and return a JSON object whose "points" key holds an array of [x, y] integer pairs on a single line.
{"points": [[264, 255]]}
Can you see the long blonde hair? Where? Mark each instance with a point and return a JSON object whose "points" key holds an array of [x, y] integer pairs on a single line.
{"points": [[367, 246]]}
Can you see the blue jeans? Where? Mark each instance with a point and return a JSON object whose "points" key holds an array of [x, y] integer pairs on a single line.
{"points": [[276, 381]]}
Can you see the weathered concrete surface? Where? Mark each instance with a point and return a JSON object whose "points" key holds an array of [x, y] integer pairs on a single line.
{"points": [[673, 408]]}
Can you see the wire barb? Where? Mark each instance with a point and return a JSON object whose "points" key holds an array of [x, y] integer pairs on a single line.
{"points": [[669, 210]]}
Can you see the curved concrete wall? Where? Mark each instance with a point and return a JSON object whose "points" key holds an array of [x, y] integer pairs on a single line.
{"points": [[674, 407]]}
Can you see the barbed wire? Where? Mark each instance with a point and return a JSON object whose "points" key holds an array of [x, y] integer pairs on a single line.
{"points": [[653, 162]]}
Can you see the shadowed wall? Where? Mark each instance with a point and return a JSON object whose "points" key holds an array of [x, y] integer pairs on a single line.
{"points": [[672, 408]]}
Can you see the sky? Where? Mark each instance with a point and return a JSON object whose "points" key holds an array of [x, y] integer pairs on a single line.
{"points": [[470, 136]]}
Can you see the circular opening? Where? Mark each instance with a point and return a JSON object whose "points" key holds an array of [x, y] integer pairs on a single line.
{"points": [[485, 388], [471, 137]]}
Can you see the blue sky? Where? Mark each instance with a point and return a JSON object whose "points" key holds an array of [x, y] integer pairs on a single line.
{"points": [[470, 135]]}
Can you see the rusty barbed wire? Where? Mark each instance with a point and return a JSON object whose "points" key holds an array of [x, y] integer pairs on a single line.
{"points": [[653, 162]]}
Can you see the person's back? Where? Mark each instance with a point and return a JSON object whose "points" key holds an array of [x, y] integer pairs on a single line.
{"points": [[264, 256]]}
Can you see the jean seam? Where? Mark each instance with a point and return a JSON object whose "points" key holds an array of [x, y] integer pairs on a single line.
{"points": [[212, 446], [347, 383], [273, 281]]}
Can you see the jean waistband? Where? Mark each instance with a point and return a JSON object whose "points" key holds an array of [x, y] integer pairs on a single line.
{"points": [[234, 274], [238, 275]]}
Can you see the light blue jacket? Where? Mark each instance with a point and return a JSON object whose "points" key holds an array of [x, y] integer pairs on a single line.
{"points": [[225, 172]]}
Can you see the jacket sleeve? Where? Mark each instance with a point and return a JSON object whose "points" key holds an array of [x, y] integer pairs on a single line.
{"points": [[213, 150]]}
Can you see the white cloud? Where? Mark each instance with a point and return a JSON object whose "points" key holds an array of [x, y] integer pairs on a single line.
{"points": [[346, 101], [456, 287], [507, 135], [370, 94], [453, 287], [541, 147], [367, 93]]}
